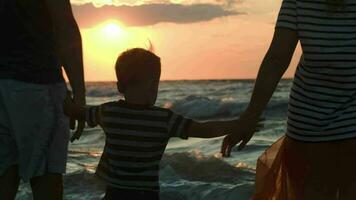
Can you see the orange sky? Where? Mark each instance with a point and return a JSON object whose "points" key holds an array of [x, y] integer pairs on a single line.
{"points": [[230, 47]]}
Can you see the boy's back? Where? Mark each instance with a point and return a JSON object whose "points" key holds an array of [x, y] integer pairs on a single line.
{"points": [[136, 137]]}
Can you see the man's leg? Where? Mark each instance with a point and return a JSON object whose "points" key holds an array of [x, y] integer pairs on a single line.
{"points": [[9, 183], [9, 170], [34, 112], [49, 186]]}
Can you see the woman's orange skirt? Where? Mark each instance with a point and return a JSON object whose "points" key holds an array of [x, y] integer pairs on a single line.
{"points": [[294, 170]]}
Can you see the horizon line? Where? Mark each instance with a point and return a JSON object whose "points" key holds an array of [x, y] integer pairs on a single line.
{"points": [[167, 80]]}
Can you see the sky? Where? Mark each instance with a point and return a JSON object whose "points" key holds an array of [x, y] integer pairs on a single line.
{"points": [[196, 39]]}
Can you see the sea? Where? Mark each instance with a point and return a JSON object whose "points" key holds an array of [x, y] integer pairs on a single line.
{"points": [[191, 169]]}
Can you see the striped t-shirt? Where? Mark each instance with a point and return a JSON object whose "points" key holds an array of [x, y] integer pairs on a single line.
{"points": [[322, 104], [136, 137]]}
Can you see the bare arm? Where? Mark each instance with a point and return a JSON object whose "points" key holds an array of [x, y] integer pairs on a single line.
{"points": [[69, 48], [68, 45], [210, 129], [274, 65]]}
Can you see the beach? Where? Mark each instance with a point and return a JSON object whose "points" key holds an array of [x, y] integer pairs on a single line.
{"points": [[191, 169]]}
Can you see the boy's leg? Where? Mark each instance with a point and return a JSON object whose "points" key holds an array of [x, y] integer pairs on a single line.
{"points": [[108, 193], [126, 194], [9, 183], [49, 186], [112, 193]]}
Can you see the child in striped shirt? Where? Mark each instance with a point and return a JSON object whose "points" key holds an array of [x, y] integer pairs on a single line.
{"points": [[137, 132]]}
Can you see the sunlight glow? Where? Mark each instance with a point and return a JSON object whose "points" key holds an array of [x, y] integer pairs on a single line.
{"points": [[112, 30], [104, 42]]}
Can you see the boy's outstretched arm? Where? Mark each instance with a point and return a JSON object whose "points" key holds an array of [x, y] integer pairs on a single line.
{"points": [[210, 129]]}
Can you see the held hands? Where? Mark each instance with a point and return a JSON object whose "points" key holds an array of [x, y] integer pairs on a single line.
{"points": [[244, 129], [71, 106]]}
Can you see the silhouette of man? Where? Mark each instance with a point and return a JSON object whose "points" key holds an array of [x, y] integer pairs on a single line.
{"points": [[37, 38]]}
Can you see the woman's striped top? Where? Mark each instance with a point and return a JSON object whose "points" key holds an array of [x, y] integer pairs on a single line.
{"points": [[322, 104], [136, 138]]}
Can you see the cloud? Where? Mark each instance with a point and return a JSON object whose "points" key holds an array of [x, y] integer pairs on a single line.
{"points": [[89, 15], [99, 3]]}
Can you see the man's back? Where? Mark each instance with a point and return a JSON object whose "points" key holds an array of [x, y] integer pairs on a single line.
{"points": [[27, 52]]}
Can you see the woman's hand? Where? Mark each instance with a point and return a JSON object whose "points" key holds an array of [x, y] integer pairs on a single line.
{"points": [[243, 131]]}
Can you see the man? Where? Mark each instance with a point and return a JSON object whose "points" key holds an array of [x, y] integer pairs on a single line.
{"points": [[37, 38]]}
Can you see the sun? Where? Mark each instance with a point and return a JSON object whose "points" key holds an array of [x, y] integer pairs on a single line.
{"points": [[112, 30], [105, 41]]}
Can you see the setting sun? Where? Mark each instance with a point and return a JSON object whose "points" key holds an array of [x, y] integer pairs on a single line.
{"points": [[104, 42], [113, 30]]}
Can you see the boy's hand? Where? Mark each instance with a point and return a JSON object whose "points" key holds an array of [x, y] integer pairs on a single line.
{"points": [[243, 131]]}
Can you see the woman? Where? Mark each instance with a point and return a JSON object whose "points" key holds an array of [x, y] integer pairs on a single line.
{"points": [[315, 159]]}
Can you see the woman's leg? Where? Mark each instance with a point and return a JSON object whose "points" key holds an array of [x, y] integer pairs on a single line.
{"points": [[9, 183], [347, 171], [321, 182], [348, 190], [311, 169]]}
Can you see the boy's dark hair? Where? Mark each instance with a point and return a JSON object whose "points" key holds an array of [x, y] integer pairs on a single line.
{"points": [[134, 65]]}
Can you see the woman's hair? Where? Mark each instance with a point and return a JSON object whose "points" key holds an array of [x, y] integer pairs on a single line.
{"points": [[335, 5]]}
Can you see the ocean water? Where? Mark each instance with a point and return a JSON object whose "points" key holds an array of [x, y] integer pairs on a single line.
{"points": [[192, 169]]}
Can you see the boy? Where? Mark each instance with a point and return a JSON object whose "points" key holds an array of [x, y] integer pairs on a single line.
{"points": [[136, 131]]}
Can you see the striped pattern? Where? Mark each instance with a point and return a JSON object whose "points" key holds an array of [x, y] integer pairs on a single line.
{"points": [[136, 138], [322, 103]]}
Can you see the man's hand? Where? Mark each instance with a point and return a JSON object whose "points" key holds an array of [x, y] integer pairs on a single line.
{"points": [[78, 133], [72, 109], [79, 100], [244, 129]]}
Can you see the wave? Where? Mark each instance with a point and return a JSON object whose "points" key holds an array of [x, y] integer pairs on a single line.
{"points": [[107, 90], [211, 100], [183, 176], [277, 108], [194, 166], [200, 107]]}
